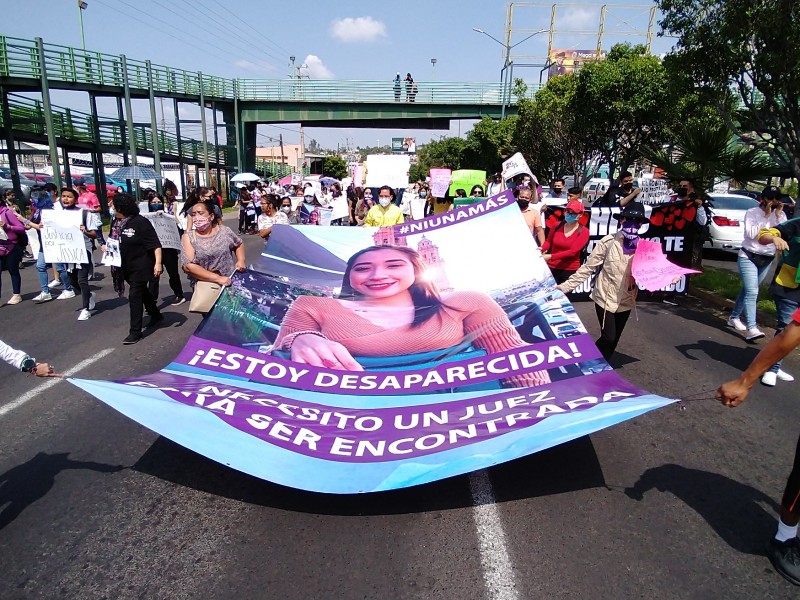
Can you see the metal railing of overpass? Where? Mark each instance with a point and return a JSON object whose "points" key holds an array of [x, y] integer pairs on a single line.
{"points": [[19, 58], [27, 115]]}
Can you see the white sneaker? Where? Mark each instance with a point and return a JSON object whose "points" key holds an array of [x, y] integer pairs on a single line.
{"points": [[15, 299], [784, 376], [91, 301], [769, 378], [753, 334], [66, 295], [85, 315], [737, 324], [43, 297], [56, 283]]}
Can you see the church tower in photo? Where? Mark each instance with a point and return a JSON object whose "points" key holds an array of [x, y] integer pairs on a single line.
{"points": [[434, 264], [385, 237]]}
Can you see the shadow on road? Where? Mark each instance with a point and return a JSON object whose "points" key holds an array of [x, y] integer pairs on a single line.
{"points": [[531, 476], [738, 357], [732, 509], [24, 484]]}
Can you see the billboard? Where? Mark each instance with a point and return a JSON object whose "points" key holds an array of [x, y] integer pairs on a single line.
{"points": [[569, 61], [407, 145]]}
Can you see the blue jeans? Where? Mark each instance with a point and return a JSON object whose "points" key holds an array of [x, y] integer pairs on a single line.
{"points": [[10, 262], [785, 309], [44, 274], [752, 276]]}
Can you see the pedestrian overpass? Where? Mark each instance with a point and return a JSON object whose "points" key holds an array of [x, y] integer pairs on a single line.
{"points": [[30, 65]]}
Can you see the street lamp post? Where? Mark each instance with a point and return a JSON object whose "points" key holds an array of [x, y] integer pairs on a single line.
{"points": [[82, 7], [433, 75], [506, 73]]}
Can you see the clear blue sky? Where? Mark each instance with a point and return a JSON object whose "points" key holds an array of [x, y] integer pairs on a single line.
{"points": [[346, 39]]}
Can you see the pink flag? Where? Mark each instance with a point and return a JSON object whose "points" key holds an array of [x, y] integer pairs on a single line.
{"points": [[652, 270]]}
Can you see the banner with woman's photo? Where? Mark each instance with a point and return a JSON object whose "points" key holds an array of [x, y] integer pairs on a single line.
{"points": [[352, 360]]}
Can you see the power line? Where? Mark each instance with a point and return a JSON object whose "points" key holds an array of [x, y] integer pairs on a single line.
{"points": [[260, 33]]}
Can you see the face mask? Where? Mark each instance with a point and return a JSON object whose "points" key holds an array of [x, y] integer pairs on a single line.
{"points": [[683, 192], [385, 202], [558, 190], [201, 223], [630, 237], [157, 206], [423, 194], [523, 204], [286, 209], [570, 218], [627, 187]]}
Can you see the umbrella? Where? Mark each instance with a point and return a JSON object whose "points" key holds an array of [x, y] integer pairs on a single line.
{"points": [[135, 172], [285, 181], [245, 177], [326, 181]]}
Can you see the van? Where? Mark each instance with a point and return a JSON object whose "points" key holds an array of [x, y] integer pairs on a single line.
{"points": [[594, 189]]}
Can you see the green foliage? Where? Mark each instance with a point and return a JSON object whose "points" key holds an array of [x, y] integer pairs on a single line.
{"points": [[417, 173], [703, 153], [447, 153], [334, 166], [726, 284], [489, 143], [366, 151], [621, 100], [754, 48]]}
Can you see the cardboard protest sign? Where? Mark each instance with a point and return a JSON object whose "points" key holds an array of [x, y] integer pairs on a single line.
{"points": [[440, 181], [62, 239], [465, 179], [651, 270], [654, 191], [339, 208], [499, 365], [516, 165], [166, 229]]}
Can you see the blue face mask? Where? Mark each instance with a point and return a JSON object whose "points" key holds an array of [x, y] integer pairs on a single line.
{"points": [[156, 206], [570, 218]]}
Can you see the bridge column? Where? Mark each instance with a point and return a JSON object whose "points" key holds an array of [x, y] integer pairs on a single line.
{"points": [[129, 117], [8, 134], [154, 129], [184, 193], [216, 144], [203, 127], [99, 167], [48, 114], [249, 146], [123, 131]]}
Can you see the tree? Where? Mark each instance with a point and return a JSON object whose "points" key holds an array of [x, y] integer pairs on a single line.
{"points": [[702, 154], [752, 46], [417, 173], [489, 143], [549, 135], [364, 152], [621, 102], [335, 167], [314, 147], [447, 152]]}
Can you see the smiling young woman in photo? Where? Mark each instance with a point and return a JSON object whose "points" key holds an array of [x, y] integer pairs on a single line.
{"points": [[387, 307]]}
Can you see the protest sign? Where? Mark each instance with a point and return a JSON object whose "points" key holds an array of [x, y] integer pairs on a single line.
{"points": [[465, 178], [180, 217], [297, 178], [418, 207], [498, 366], [387, 169], [440, 181], [166, 229], [112, 256], [654, 191], [339, 208], [651, 270], [62, 238], [516, 165]]}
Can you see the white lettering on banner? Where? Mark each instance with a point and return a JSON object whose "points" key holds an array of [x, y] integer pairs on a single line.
{"points": [[166, 229], [62, 239]]}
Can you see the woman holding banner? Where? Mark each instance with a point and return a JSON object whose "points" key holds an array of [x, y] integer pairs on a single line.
{"points": [[387, 307]]}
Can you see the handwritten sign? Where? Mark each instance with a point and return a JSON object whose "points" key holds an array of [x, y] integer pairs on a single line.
{"points": [[166, 229], [654, 191], [516, 165], [62, 239], [440, 181], [652, 270], [465, 179]]}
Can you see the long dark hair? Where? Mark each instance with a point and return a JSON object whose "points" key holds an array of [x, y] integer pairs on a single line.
{"points": [[424, 294]]}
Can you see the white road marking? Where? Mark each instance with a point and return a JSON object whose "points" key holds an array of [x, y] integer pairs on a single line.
{"points": [[498, 573], [4, 410]]}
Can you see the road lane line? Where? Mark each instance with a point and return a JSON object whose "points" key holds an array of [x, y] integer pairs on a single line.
{"points": [[4, 410], [498, 573]]}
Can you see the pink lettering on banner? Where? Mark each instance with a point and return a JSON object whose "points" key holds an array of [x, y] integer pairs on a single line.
{"points": [[651, 269]]}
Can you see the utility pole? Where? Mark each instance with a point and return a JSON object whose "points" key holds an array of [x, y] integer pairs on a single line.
{"points": [[82, 7], [280, 139]]}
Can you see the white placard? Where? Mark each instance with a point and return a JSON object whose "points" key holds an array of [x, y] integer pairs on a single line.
{"points": [[516, 165], [177, 209], [388, 169], [62, 237], [166, 229], [112, 256], [654, 191], [339, 207], [418, 208], [33, 240]]}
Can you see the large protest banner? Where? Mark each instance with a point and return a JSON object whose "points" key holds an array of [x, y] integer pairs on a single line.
{"points": [[62, 239], [362, 359], [166, 229]]}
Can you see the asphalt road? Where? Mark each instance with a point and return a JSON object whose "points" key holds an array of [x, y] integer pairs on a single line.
{"points": [[674, 504]]}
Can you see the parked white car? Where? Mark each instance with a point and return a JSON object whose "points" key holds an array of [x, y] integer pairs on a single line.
{"points": [[727, 221]]}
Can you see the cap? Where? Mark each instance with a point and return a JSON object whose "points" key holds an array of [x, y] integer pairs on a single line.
{"points": [[771, 191], [575, 206], [633, 211]]}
